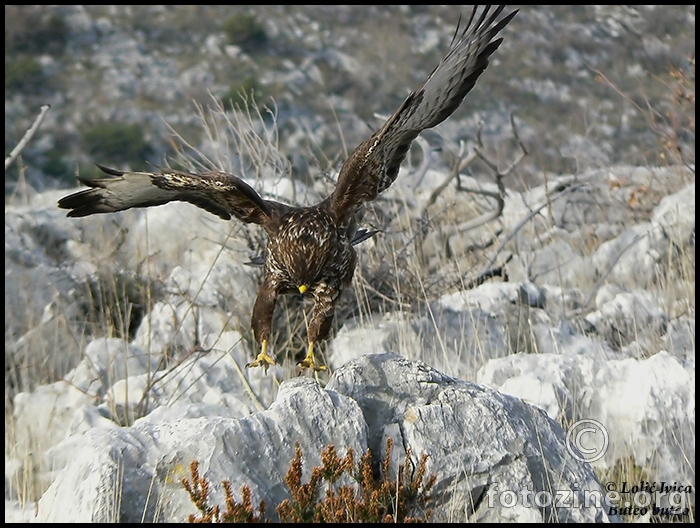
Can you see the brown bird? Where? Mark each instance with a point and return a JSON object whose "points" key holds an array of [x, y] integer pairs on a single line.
{"points": [[310, 250]]}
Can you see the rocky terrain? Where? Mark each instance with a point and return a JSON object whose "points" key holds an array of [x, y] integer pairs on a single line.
{"points": [[509, 294], [604, 332]]}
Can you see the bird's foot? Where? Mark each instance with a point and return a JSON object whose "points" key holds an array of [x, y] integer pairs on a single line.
{"points": [[263, 360], [308, 361]]}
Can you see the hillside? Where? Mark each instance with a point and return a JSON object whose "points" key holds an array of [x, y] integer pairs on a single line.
{"points": [[584, 82]]}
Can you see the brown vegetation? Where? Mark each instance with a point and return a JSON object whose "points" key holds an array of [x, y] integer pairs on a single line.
{"points": [[370, 499]]}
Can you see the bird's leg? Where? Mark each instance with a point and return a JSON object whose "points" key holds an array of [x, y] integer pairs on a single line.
{"points": [[262, 322], [308, 361], [263, 360], [319, 328]]}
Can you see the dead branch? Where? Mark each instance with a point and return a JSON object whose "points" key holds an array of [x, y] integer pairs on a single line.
{"points": [[426, 160], [28, 135], [548, 201], [489, 273], [498, 175], [499, 197], [460, 163]]}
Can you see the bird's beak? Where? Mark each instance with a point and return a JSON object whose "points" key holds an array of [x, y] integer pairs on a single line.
{"points": [[303, 288]]}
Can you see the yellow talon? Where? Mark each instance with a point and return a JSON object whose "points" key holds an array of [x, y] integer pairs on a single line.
{"points": [[263, 360], [308, 361]]}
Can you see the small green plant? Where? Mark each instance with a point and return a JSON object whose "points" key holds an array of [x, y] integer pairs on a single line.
{"points": [[240, 94], [246, 31], [55, 165], [33, 29], [370, 500], [121, 143], [23, 74]]}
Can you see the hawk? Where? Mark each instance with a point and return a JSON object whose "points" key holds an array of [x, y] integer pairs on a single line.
{"points": [[309, 250]]}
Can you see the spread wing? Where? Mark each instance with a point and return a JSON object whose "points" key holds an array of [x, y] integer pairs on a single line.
{"points": [[219, 193], [374, 164]]}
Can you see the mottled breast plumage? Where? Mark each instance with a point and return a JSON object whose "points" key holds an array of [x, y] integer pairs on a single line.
{"points": [[309, 248]]}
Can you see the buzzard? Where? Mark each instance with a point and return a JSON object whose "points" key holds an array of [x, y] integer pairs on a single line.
{"points": [[309, 250]]}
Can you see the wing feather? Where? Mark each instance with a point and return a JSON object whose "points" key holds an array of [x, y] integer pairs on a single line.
{"points": [[220, 193], [374, 164]]}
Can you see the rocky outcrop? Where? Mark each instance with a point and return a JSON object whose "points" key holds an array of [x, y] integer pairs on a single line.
{"points": [[484, 447]]}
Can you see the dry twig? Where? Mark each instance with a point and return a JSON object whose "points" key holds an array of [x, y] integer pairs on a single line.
{"points": [[28, 135]]}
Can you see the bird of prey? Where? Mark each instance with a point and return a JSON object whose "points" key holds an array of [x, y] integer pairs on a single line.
{"points": [[309, 250]]}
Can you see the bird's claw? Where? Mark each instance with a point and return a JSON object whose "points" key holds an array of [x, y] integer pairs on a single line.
{"points": [[308, 361], [263, 360]]}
